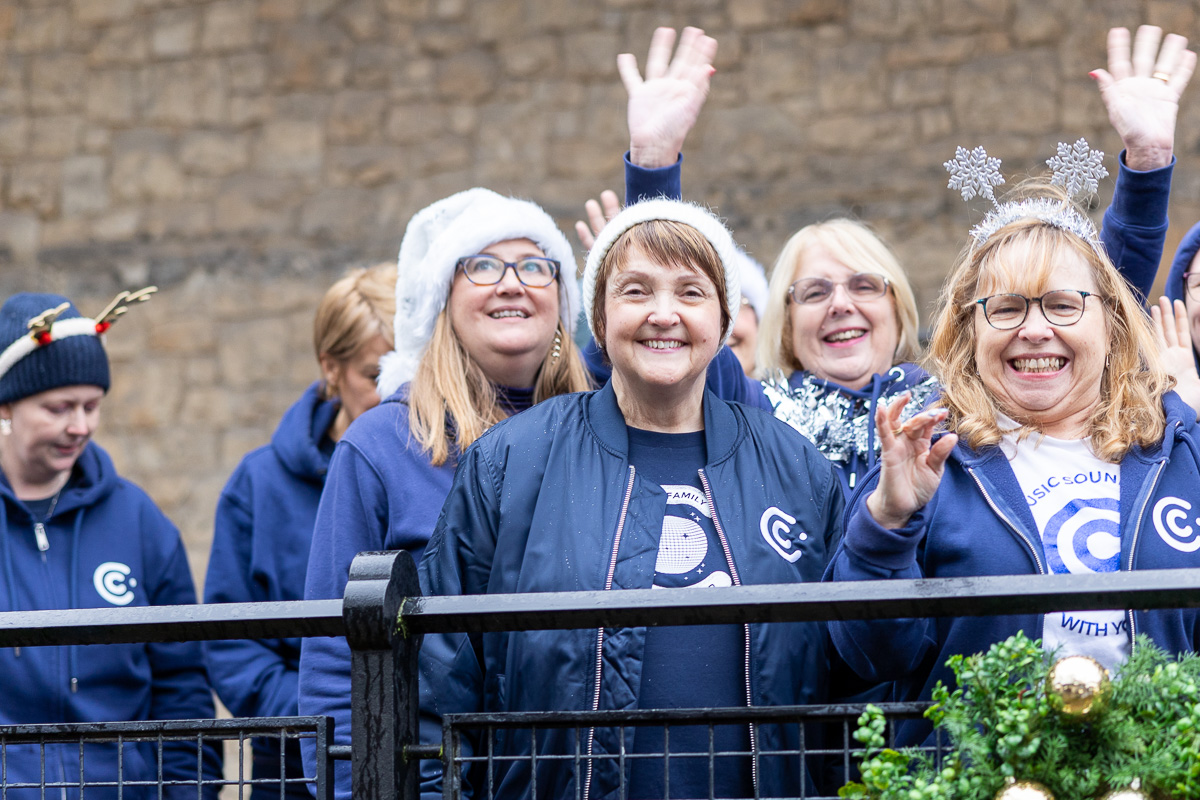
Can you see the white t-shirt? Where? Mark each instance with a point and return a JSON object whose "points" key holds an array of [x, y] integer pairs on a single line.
{"points": [[1075, 500]]}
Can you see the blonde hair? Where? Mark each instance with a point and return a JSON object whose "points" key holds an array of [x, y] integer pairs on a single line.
{"points": [[356, 309], [451, 401], [856, 246], [663, 241], [1133, 382]]}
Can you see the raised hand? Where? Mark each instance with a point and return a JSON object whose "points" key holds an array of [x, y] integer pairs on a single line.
{"points": [[1141, 92], [598, 215], [911, 466], [664, 106], [1175, 344]]}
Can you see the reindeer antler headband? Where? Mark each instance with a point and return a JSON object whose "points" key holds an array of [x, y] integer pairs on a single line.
{"points": [[46, 328]]}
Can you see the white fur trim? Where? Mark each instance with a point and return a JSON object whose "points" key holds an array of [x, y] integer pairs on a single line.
{"points": [[439, 235], [754, 283], [691, 214], [75, 326]]}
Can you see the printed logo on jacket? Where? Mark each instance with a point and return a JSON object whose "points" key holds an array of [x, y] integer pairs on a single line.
{"points": [[113, 583]]}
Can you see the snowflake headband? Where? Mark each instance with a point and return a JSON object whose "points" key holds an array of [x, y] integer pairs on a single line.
{"points": [[45, 327], [1077, 168]]}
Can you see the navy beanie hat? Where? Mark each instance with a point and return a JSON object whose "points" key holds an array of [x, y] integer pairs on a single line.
{"points": [[70, 355]]}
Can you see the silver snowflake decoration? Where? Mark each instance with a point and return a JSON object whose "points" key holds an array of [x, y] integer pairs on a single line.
{"points": [[1077, 168], [973, 172]]}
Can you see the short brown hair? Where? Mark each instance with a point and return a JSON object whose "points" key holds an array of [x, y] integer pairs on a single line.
{"points": [[666, 242]]}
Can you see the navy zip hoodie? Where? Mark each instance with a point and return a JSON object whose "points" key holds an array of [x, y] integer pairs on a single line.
{"points": [[261, 539], [978, 523], [106, 544]]}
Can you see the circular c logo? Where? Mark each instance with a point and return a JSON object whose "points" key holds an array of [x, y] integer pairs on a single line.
{"points": [[1171, 522], [109, 580]]}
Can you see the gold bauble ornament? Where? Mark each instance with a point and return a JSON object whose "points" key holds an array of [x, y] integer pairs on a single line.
{"points": [[1133, 792], [1023, 790], [1078, 686]]}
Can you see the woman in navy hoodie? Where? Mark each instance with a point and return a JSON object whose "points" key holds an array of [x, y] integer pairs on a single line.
{"points": [[74, 534], [1065, 452], [266, 512]]}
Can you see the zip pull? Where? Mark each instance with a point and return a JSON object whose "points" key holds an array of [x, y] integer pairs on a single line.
{"points": [[39, 531], [74, 685]]}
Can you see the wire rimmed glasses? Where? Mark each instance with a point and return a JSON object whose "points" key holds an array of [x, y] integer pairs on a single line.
{"points": [[533, 271], [1061, 307], [1191, 284], [860, 286]]}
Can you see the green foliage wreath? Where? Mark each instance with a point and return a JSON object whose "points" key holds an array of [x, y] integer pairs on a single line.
{"points": [[1002, 724]]}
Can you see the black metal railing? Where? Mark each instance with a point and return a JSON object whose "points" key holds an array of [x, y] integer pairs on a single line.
{"points": [[383, 618]]}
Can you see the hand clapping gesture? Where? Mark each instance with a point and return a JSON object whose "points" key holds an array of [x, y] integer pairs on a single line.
{"points": [[1141, 92], [664, 106], [1175, 344], [911, 464]]}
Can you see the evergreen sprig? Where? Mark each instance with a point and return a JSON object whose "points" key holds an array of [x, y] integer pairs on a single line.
{"points": [[1001, 723]]}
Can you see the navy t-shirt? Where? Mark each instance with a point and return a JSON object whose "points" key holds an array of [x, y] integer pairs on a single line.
{"points": [[692, 666]]}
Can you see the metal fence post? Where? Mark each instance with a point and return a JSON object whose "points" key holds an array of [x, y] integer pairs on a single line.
{"points": [[383, 676]]}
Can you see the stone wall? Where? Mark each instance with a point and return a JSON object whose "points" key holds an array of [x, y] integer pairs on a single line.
{"points": [[241, 153]]}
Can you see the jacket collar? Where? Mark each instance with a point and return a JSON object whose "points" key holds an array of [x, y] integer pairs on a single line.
{"points": [[722, 429]]}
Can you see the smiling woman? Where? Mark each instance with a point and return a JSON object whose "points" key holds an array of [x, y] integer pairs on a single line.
{"points": [[651, 482], [1062, 446]]}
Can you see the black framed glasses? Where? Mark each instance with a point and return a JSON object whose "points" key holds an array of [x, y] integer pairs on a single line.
{"points": [[1061, 307], [532, 271], [1191, 284], [860, 286]]}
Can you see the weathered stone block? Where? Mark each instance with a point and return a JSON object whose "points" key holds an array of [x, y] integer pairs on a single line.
{"points": [[14, 136], [124, 43], [890, 19], [920, 87], [1009, 94], [356, 116], [966, 16], [250, 204], [592, 54], [769, 50], [243, 366], [40, 29], [246, 72], [228, 25], [55, 137], [531, 56], [185, 93], [98, 12], [290, 147], [1037, 22], [376, 66], [117, 225], [84, 188], [361, 19], [174, 32], [34, 185], [213, 153], [467, 77], [335, 213], [366, 165], [20, 233], [851, 77], [56, 83], [112, 96]]}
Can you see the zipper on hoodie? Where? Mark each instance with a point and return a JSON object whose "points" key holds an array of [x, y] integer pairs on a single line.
{"points": [[737, 581], [608, 581], [43, 542], [1137, 529], [1020, 533]]}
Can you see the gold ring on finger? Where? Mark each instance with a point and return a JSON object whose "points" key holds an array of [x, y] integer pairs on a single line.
{"points": [[1162, 76]]}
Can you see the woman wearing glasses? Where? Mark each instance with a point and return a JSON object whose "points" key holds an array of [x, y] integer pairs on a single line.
{"points": [[1066, 452], [1177, 319], [483, 330]]}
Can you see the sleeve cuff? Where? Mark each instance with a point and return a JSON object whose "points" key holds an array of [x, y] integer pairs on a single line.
{"points": [[642, 183], [873, 544], [1140, 199]]}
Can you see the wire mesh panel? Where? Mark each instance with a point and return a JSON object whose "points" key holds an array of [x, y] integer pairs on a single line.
{"points": [[796, 751], [177, 759]]}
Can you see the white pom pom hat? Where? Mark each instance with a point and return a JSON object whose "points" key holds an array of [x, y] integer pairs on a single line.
{"points": [[435, 239], [691, 214]]}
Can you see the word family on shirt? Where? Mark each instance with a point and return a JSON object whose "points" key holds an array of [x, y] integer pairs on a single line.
{"points": [[1074, 498], [692, 666]]}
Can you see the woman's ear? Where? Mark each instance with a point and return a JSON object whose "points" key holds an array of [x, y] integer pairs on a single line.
{"points": [[331, 372]]}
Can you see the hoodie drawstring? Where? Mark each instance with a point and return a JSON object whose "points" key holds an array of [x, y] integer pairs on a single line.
{"points": [[73, 595]]}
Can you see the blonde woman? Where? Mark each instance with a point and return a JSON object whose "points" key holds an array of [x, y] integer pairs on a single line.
{"points": [[486, 302], [1065, 452], [266, 512]]}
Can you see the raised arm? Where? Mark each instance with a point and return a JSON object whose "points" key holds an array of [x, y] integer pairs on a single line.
{"points": [[1141, 90]]}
